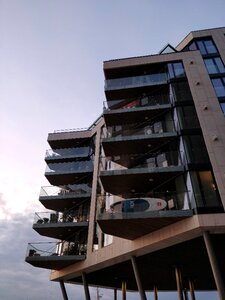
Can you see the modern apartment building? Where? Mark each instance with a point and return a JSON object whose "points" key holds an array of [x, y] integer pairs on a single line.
{"points": [[137, 200]]}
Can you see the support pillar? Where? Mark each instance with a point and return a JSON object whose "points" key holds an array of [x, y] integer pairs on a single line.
{"points": [[192, 290], [63, 289], [86, 289], [214, 265], [186, 294], [138, 279], [179, 283], [115, 294], [124, 290], [155, 290]]}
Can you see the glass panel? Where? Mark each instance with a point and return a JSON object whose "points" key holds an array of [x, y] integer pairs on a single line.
{"points": [[78, 166], [219, 86], [208, 189], [178, 70], [193, 46], [210, 65], [219, 64], [210, 48], [201, 47], [223, 107]]}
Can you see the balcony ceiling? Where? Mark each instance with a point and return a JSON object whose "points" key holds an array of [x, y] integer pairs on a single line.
{"points": [[54, 262], [61, 203], [61, 178], [134, 225], [157, 268], [61, 231], [136, 143], [134, 115], [141, 180]]}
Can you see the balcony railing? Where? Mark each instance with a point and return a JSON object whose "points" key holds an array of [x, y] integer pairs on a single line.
{"points": [[70, 167], [136, 81], [137, 102], [67, 152], [56, 249], [173, 201], [152, 160], [136, 129], [69, 216], [67, 190]]}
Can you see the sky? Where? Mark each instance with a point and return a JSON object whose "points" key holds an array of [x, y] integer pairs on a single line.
{"points": [[51, 77]]}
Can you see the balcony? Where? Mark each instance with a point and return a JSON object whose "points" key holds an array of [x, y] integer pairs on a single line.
{"points": [[55, 255], [139, 84], [140, 173], [131, 111], [134, 138], [58, 155], [131, 218], [60, 225], [68, 172], [65, 197]]}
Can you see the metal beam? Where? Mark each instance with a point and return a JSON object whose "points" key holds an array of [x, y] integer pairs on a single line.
{"points": [[192, 289], [63, 289], [138, 279], [155, 290], [214, 265], [179, 283], [86, 289], [124, 290], [115, 294]]}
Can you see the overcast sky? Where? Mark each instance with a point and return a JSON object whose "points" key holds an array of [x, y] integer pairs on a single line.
{"points": [[51, 55]]}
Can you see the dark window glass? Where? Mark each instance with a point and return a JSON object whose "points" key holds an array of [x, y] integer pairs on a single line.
{"points": [[210, 48], [201, 47], [219, 86], [214, 65], [222, 105], [176, 70], [192, 46]]}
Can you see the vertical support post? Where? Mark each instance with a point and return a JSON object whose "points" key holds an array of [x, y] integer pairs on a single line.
{"points": [[86, 289], [179, 283], [186, 294], [138, 279], [63, 289], [214, 265], [155, 290], [192, 290], [115, 294], [124, 288]]}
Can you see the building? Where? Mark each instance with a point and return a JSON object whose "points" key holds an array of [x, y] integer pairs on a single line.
{"points": [[137, 200]]}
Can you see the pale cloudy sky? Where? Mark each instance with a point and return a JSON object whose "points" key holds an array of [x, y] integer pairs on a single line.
{"points": [[51, 54]]}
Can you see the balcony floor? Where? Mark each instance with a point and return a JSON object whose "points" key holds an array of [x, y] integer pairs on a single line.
{"points": [[134, 225]]}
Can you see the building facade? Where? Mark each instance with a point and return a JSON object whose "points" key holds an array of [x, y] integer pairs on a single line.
{"points": [[137, 200]]}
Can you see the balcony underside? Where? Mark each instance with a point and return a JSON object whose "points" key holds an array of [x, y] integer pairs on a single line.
{"points": [[125, 93], [131, 226], [62, 231], [61, 178], [157, 268], [54, 262], [63, 202], [136, 144], [119, 182], [133, 115], [69, 139]]}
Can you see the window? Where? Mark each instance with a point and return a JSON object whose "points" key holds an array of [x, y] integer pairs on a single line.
{"points": [[205, 46], [222, 105], [214, 65], [176, 70], [219, 86]]}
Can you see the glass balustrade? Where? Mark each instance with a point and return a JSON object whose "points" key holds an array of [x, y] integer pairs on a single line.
{"points": [[137, 129], [70, 167], [137, 102], [136, 81], [70, 216], [67, 152], [66, 190]]}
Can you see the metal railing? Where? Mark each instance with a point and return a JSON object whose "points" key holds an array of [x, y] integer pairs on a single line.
{"points": [[67, 190], [56, 249], [151, 100], [70, 167]]}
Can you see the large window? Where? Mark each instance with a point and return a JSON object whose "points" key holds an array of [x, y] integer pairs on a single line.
{"points": [[219, 86], [214, 65], [176, 70], [204, 46]]}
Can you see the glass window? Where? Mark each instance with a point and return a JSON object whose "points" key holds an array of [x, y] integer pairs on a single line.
{"points": [[176, 70], [206, 47], [201, 47], [192, 46], [219, 86], [222, 105], [214, 65]]}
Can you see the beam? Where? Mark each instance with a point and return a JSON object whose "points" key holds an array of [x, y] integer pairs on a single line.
{"points": [[86, 289], [63, 289], [138, 279], [179, 283], [214, 265], [124, 290], [192, 289]]}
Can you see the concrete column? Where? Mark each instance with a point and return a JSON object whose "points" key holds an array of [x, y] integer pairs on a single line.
{"points": [[63, 289], [138, 279], [155, 290], [124, 290], [86, 289], [115, 294], [179, 283], [214, 265], [192, 290]]}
